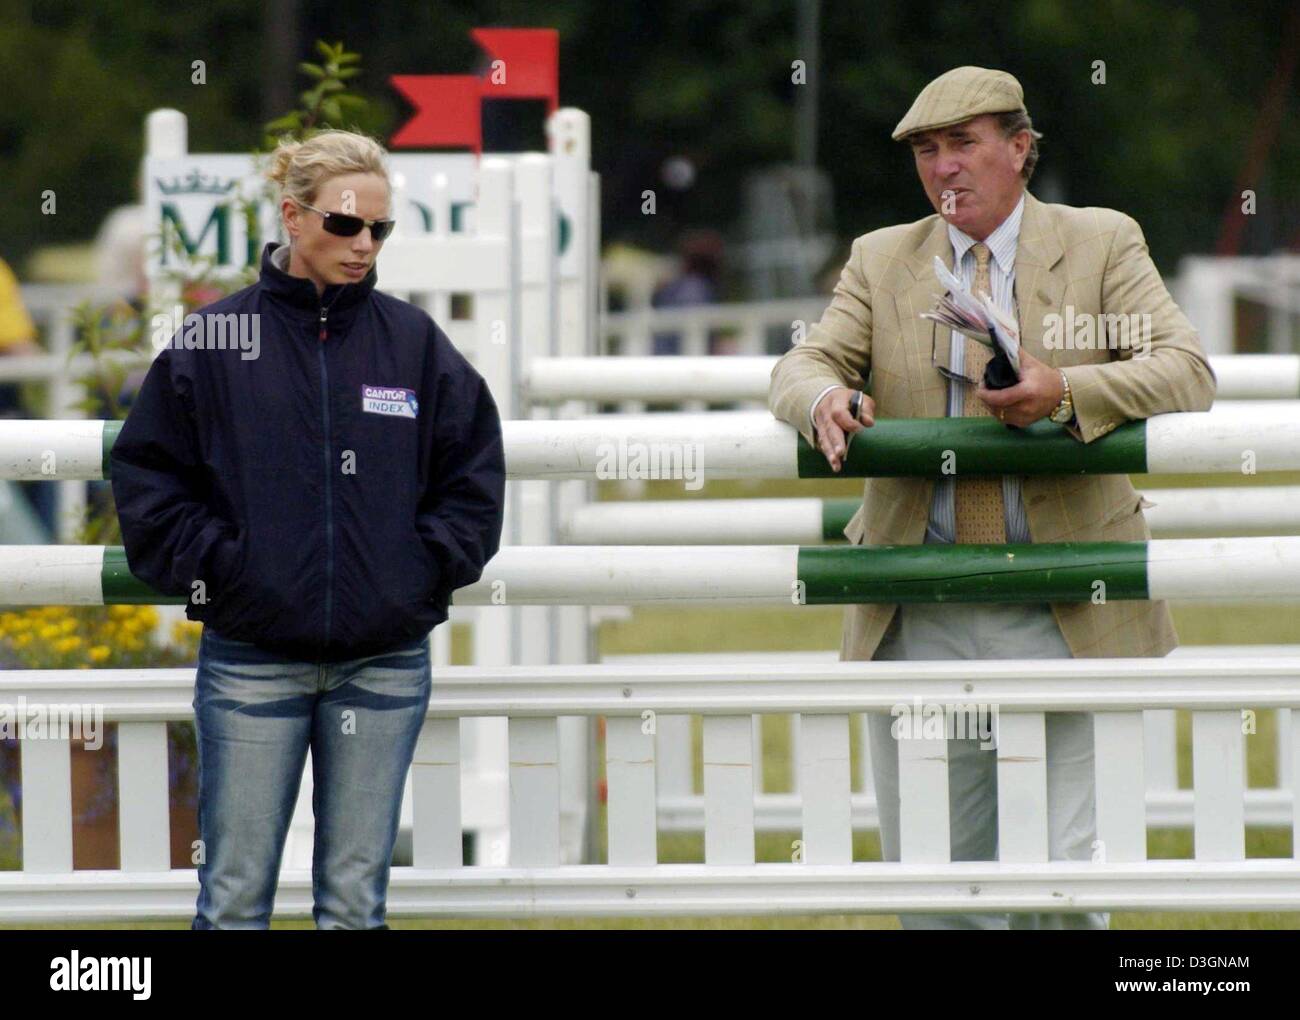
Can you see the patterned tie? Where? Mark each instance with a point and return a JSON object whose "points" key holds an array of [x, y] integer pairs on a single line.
{"points": [[980, 512]]}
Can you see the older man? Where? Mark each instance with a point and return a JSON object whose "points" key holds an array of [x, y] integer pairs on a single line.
{"points": [[975, 150]]}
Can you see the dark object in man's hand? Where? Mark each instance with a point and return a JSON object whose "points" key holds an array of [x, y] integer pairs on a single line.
{"points": [[998, 373]]}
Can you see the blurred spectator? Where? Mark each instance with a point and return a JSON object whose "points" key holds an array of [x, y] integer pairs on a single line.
{"points": [[120, 268], [17, 333], [697, 283], [120, 254], [18, 337]]}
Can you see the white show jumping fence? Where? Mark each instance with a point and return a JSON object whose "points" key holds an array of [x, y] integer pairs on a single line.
{"points": [[823, 877], [521, 806], [1215, 689]]}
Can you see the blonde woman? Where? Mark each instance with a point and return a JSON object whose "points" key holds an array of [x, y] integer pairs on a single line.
{"points": [[316, 495]]}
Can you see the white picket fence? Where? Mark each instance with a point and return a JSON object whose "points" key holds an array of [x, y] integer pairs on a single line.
{"points": [[819, 876], [1168, 806]]}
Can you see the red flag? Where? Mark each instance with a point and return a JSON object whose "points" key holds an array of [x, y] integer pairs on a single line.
{"points": [[524, 64], [530, 63], [448, 111]]}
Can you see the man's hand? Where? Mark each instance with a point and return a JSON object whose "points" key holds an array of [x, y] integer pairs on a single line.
{"points": [[833, 420], [1036, 395]]}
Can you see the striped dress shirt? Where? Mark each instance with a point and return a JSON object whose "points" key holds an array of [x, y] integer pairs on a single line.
{"points": [[1002, 244]]}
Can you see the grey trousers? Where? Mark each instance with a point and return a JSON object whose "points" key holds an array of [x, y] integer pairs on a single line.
{"points": [[990, 631]]}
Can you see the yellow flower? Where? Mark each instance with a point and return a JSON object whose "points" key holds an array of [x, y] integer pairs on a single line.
{"points": [[23, 640], [49, 631], [100, 652], [68, 626], [67, 644], [184, 630], [119, 612]]}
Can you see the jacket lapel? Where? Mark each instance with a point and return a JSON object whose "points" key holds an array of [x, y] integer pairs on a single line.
{"points": [[926, 385], [1040, 288], [1040, 277]]}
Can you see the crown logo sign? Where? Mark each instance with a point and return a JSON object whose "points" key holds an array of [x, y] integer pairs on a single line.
{"points": [[196, 183]]}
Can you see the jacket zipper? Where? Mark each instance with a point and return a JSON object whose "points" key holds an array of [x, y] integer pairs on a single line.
{"points": [[329, 500]]}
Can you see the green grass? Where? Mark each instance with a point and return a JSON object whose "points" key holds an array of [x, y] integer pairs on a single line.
{"points": [[657, 629]]}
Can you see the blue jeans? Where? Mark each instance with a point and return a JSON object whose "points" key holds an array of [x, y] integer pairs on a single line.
{"points": [[255, 715]]}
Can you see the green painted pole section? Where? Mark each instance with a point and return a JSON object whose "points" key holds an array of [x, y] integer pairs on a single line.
{"points": [[916, 447], [1059, 572], [836, 514], [121, 587], [111, 429]]}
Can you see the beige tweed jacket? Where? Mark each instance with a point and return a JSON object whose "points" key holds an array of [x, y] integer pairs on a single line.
{"points": [[1092, 259]]}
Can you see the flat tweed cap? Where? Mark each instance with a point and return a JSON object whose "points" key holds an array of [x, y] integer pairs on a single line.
{"points": [[958, 95]]}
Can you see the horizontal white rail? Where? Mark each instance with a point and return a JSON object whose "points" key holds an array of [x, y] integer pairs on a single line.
{"points": [[1199, 683], [747, 377], [698, 889], [1220, 511]]}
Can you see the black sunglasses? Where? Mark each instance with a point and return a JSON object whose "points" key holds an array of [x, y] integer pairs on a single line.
{"points": [[349, 226]]}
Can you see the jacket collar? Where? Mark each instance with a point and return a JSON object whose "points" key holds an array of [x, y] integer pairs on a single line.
{"points": [[1001, 243], [1037, 243], [300, 293], [1038, 290]]}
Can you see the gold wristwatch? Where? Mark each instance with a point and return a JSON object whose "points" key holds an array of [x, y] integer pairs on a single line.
{"points": [[1064, 411]]}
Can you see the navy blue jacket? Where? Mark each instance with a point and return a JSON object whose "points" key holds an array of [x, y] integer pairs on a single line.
{"points": [[332, 492]]}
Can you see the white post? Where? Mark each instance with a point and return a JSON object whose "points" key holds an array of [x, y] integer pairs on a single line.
{"points": [[1219, 785], [166, 136], [539, 318], [495, 626], [440, 300], [577, 197], [1206, 296]]}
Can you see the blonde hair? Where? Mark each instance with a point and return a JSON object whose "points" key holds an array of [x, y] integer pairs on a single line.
{"points": [[300, 168]]}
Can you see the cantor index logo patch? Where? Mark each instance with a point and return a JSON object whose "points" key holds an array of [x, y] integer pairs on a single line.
{"points": [[392, 400]]}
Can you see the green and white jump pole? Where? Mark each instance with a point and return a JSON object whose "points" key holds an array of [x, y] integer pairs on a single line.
{"points": [[1216, 569], [749, 444], [753, 444]]}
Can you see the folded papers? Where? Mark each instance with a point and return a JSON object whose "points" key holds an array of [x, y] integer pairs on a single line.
{"points": [[976, 317]]}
